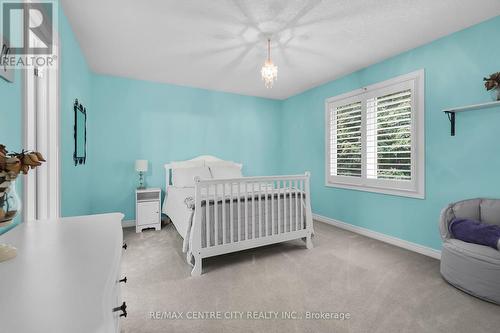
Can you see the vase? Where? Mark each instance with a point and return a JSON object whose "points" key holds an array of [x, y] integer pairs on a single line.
{"points": [[10, 207], [495, 94], [10, 204]]}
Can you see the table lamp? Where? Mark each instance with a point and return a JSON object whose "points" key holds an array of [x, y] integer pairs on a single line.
{"points": [[141, 166]]}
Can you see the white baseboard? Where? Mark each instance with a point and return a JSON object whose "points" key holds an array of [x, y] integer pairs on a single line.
{"points": [[128, 223], [426, 251]]}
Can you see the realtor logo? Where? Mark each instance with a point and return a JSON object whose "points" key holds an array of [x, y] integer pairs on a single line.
{"points": [[28, 26], [28, 35]]}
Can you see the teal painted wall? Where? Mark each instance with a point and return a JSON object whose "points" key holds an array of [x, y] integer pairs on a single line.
{"points": [[11, 113], [11, 126], [161, 123], [464, 166], [75, 81], [11, 123]]}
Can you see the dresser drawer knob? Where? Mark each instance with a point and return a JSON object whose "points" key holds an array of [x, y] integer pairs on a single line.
{"points": [[124, 280], [124, 246], [122, 308]]}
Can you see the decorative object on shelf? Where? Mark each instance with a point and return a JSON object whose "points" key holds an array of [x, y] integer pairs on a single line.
{"points": [[141, 166], [7, 73], [80, 154], [492, 84], [269, 71], [11, 165]]}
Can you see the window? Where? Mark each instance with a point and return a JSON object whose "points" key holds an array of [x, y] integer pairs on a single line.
{"points": [[375, 137]]}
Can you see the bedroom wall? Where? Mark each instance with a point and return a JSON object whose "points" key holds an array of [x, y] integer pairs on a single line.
{"points": [[464, 166], [11, 112], [75, 80], [134, 119], [11, 117], [11, 121]]}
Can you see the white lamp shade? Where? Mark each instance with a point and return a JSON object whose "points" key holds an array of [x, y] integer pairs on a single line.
{"points": [[141, 165]]}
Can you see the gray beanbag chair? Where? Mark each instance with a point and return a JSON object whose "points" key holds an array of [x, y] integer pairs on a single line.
{"points": [[472, 268]]}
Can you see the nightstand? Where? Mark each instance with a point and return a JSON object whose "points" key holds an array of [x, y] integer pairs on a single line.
{"points": [[147, 209]]}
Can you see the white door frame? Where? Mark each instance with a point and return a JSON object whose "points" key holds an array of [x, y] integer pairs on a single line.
{"points": [[41, 133]]}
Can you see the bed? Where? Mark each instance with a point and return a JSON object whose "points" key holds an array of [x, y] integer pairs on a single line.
{"points": [[216, 210]]}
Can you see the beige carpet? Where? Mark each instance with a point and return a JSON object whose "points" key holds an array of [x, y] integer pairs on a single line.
{"points": [[383, 288]]}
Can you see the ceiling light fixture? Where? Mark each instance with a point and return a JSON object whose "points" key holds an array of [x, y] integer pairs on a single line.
{"points": [[269, 71]]}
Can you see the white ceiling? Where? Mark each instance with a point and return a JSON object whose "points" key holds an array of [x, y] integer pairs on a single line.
{"points": [[221, 44]]}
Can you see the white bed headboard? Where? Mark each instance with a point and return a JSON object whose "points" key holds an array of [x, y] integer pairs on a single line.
{"points": [[197, 161]]}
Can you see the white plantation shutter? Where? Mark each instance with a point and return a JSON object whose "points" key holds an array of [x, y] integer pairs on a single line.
{"points": [[389, 131], [345, 140], [375, 137]]}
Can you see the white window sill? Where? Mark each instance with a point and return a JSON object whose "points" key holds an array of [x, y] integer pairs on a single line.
{"points": [[389, 191]]}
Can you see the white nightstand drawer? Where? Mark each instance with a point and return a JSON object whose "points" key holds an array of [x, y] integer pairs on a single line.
{"points": [[148, 212], [148, 196]]}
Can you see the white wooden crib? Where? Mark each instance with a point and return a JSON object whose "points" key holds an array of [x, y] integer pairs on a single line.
{"points": [[241, 213]]}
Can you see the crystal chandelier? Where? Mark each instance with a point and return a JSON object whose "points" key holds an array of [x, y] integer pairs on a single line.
{"points": [[269, 71]]}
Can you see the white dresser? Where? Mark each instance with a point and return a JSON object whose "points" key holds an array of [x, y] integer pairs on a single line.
{"points": [[65, 277]]}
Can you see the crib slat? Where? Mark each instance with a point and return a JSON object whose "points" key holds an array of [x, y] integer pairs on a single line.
{"points": [[283, 190], [216, 217], [231, 215], [253, 210], [238, 208], [290, 202], [264, 212], [263, 198], [295, 222], [278, 204], [246, 210], [292, 222], [223, 207], [260, 209], [207, 216], [296, 193], [301, 204], [288, 207], [284, 206], [273, 188]]}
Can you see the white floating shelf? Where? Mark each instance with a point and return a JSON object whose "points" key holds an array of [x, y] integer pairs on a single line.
{"points": [[451, 112], [473, 107]]}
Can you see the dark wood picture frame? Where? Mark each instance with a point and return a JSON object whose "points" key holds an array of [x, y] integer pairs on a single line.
{"points": [[5, 73], [80, 109]]}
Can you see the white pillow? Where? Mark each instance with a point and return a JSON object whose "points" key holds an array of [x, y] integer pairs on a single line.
{"points": [[184, 177], [225, 172]]}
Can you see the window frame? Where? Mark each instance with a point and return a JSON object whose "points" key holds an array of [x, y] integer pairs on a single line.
{"points": [[414, 188]]}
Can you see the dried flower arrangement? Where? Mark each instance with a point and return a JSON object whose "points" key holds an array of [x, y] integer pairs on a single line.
{"points": [[493, 82], [11, 165]]}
